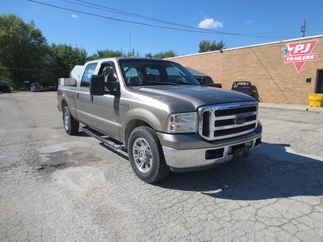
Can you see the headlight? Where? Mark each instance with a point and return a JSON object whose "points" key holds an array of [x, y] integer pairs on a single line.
{"points": [[182, 123]]}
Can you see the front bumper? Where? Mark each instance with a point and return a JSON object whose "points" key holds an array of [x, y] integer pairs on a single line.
{"points": [[191, 152]]}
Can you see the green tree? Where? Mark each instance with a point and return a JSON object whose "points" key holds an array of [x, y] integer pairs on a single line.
{"points": [[205, 46], [4, 74], [165, 54], [60, 60], [22, 49], [105, 54]]}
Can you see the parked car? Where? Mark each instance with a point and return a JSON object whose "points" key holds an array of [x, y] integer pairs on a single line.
{"points": [[4, 87], [246, 87], [204, 79], [36, 87], [157, 114]]}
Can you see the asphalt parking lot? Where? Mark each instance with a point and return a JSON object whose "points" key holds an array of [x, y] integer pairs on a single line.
{"points": [[55, 187]]}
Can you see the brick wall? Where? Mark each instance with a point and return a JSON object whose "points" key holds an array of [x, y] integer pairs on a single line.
{"points": [[262, 65]]}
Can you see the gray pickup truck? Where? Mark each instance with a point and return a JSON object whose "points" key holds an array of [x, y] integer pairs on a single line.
{"points": [[155, 112]]}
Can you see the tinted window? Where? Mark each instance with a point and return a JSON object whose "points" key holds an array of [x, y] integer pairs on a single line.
{"points": [[140, 72], [86, 78]]}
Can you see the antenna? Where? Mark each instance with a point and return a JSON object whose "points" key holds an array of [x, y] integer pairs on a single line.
{"points": [[303, 29]]}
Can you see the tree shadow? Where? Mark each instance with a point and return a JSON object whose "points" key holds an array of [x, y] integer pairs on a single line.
{"points": [[272, 171]]}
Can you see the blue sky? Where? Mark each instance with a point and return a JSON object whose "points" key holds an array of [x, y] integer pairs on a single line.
{"points": [[276, 20]]}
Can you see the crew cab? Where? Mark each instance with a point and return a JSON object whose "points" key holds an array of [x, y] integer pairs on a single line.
{"points": [[155, 112]]}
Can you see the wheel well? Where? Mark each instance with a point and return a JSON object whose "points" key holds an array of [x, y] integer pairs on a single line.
{"points": [[131, 126]]}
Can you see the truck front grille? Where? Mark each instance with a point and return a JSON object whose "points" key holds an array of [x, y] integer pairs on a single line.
{"points": [[227, 120]]}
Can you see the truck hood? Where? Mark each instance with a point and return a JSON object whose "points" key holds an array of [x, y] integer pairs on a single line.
{"points": [[183, 98]]}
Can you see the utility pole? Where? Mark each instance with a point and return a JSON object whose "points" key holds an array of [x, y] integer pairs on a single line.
{"points": [[130, 42], [303, 29]]}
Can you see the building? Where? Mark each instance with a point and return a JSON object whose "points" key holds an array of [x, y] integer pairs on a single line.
{"points": [[284, 72]]}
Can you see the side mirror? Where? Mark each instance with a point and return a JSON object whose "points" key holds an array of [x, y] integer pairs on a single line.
{"points": [[97, 86], [113, 87]]}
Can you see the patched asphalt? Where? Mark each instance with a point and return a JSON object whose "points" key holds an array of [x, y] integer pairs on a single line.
{"points": [[55, 187]]}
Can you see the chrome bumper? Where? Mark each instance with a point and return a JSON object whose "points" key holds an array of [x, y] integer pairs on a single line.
{"points": [[196, 158]]}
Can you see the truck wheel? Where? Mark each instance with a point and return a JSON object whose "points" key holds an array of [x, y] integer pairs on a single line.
{"points": [[71, 125], [146, 156]]}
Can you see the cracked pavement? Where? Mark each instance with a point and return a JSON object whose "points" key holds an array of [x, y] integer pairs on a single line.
{"points": [[55, 187]]}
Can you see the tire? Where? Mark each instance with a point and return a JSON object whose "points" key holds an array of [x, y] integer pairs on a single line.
{"points": [[146, 156], [71, 125]]}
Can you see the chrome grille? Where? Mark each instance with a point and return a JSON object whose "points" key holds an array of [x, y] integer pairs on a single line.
{"points": [[227, 120]]}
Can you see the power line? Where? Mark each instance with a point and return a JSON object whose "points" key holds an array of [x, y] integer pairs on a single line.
{"points": [[142, 23], [132, 14], [129, 14], [126, 13]]}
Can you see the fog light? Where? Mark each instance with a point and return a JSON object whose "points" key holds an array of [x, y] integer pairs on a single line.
{"points": [[214, 154]]}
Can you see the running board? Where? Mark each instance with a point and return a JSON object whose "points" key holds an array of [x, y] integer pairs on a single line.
{"points": [[106, 141]]}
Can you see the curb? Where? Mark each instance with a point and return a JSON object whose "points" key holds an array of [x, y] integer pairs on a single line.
{"points": [[291, 107]]}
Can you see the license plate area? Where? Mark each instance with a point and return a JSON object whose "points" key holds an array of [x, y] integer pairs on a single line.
{"points": [[240, 150]]}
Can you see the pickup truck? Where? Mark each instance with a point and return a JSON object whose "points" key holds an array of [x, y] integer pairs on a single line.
{"points": [[155, 112]]}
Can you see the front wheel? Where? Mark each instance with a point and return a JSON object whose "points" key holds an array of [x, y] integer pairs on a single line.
{"points": [[71, 125], [146, 156]]}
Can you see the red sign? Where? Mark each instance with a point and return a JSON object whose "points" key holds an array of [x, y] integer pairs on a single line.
{"points": [[299, 53]]}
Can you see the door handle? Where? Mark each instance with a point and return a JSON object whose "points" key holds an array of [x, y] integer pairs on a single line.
{"points": [[77, 95]]}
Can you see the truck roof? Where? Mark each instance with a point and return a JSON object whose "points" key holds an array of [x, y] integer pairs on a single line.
{"points": [[123, 58]]}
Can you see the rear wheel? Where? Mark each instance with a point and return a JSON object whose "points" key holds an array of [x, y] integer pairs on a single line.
{"points": [[71, 125], [146, 156]]}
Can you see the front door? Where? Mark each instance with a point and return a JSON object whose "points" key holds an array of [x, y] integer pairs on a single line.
{"points": [[319, 81], [106, 107]]}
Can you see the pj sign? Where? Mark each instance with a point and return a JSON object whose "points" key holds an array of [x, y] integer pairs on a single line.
{"points": [[299, 53]]}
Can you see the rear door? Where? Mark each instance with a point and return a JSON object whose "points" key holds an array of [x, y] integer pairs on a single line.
{"points": [[84, 99]]}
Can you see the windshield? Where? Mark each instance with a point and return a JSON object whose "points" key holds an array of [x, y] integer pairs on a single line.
{"points": [[140, 72]]}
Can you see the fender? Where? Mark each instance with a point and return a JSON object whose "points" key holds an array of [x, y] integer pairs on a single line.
{"points": [[140, 114]]}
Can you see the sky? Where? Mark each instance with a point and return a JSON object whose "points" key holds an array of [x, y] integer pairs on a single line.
{"points": [[258, 21]]}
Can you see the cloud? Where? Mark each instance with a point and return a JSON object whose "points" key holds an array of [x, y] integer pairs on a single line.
{"points": [[75, 16], [249, 21], [210, 23]]}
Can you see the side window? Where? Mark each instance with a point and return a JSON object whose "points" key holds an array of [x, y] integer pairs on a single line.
{"points": [[86, 78], [108, 72]]}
